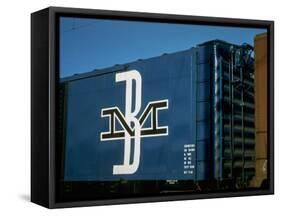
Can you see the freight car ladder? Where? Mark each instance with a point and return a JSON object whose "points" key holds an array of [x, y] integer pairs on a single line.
{"points": [[238, 118]]}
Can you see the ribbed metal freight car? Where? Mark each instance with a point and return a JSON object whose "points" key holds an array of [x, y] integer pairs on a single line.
{"points": [[184, 116]]}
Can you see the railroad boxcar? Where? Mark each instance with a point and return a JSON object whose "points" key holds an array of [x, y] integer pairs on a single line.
{"points": [[184, 116]]}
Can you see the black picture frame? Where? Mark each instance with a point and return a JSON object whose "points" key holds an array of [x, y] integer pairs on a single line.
{"points": [[44, 91]]}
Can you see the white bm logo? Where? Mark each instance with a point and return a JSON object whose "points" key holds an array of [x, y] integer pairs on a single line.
{"points": [[132, 127]]}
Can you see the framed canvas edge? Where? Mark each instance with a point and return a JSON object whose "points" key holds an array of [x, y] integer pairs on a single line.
{"points": [[54, 11]]}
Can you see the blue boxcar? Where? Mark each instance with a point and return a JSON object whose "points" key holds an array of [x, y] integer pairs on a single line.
{"points": [[194, 111]]}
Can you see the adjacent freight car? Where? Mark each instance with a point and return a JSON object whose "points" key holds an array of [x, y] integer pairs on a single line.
{"points": [[182, 117], [260, 49]]}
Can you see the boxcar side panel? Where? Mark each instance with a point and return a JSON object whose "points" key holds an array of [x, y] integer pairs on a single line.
{"points": [[169, 77]]}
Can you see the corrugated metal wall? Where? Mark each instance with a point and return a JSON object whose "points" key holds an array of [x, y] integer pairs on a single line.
{"points": [[232, 105], [238, 116]]}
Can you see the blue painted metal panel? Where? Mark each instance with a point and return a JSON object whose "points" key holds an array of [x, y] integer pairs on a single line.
{"points": [[203, 118], [171, 77]]}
